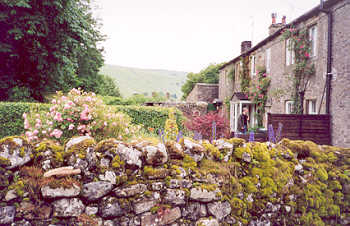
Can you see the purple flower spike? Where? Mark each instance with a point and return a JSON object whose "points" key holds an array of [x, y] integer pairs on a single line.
{"points": [[251, 137]]}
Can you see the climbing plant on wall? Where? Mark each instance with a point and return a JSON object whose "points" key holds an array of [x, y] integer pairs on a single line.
{"points": [[244, 74], [304, 69], [258, 93], [231, 74]]}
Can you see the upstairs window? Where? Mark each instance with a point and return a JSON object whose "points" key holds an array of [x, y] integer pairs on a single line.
{"points": [[238, 68], [252, 64], [289, 106], [290, 55], [313, 40], [268, 60], [311, 107]]}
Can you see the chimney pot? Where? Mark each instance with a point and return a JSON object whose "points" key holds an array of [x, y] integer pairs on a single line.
{"points": [[245, 46], [274, 15], [284, 20]]}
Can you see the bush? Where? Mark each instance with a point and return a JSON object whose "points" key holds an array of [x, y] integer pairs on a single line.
{"points": [[203, 125], [78, 113], [110, 100], [20, 94], [138, 99], [12, 123], [106, 86], [11, 120], [151, 117], [171, 129]]}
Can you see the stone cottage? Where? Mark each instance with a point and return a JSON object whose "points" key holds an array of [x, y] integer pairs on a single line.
{"points": [[328, 91], [203, 92]]}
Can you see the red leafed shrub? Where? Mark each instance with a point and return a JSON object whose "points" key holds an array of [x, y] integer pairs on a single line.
{"points": [[204, 125]]}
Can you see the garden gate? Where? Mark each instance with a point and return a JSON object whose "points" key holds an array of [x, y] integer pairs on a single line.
{"points": [[303, 127]]}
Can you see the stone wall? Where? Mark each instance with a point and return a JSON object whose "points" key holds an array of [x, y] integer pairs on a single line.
{"points": [[189, 109], [203, 92], [189, 183]]}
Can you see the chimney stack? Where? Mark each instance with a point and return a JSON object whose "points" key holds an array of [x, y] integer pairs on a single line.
{"points": [[276, 26], [284, 20], [274, 15], [245, 46]]}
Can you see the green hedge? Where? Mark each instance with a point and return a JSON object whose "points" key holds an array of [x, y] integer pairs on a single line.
{"points": [[11, 120], [138, 99], [109, 100], [151, 117]]}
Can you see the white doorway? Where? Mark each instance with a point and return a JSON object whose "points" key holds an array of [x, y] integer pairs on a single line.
{"points": [[236, 109]]}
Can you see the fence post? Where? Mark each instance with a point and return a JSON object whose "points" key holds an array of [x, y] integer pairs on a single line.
{"points": [[301, 126]]}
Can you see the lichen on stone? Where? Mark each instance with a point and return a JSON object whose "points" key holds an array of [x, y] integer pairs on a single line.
{"points": [[79, 147]]}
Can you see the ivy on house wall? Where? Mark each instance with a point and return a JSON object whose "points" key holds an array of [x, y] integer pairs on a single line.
{"points": [[304, 69], [227, 104], [244, 74], [231, 74], [256, 89]]}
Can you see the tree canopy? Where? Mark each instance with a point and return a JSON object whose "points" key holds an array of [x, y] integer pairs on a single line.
{"points": [[207, 75], [48, 45]]}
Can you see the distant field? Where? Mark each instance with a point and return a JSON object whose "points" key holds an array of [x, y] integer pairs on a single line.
{"points": [[136, 80]]}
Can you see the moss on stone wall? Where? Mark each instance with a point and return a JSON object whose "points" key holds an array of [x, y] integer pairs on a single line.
{"points": [[293, 182]]}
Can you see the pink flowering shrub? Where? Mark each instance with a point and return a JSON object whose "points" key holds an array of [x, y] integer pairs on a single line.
{"points": [[78, 113], [204, 125], [257, 93]]}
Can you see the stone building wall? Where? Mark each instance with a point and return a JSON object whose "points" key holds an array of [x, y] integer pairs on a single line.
{"points": [[226, 83], [203, 92], [340, 86]]}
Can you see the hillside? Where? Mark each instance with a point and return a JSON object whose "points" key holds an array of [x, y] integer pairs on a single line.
{"points": [[131, 80]]}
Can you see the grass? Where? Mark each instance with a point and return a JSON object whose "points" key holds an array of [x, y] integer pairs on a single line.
{"points": [[136, 80]]}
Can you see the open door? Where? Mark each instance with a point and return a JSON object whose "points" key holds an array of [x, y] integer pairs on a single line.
{"points": [[236, 109]]}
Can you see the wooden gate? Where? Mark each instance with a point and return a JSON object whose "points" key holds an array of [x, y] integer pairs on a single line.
{"points": [[303, 127]]}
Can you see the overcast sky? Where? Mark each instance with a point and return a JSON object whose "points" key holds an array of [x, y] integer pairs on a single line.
{"points": [[187, 35]]}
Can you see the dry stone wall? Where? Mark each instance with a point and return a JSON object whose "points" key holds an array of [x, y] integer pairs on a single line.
{"points": [[189, 109], [226, 182]]}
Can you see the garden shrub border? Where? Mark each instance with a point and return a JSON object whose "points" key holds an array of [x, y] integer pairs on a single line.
{"points": [[12, 122], [151, 117]]}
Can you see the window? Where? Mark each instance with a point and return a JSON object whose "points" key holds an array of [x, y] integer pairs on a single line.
{"points": [[290, 55], [313, 40], [311, 107], [237, 71], [289, 106], [268, 60], [252, 64]]}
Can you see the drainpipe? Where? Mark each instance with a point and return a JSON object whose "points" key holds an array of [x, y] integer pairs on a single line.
{"points": [[329, 55]]}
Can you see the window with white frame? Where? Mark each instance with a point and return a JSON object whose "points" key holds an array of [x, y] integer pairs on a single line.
{"points": [[252, 64], [290, 55], [268, 60], [313, 40], [289, 106], [311, 107]]}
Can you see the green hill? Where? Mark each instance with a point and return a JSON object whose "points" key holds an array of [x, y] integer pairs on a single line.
{"points": [[135, 80]]}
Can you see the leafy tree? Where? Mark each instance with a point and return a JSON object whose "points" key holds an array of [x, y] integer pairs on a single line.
{"points": [[47, 45], [207, 75], [107, 86]]}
